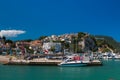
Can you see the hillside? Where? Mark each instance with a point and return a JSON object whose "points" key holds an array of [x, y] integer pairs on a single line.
{"points": [[75, 42], [110, 42]]}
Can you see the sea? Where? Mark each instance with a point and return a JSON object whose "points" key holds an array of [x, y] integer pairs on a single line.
{"points": [[109, 71]]}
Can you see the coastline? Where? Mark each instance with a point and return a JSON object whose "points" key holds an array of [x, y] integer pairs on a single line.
{"points": [[4, 59], [39, 61]]}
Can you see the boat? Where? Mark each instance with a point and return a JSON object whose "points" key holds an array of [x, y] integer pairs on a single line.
{"points": [[74, 61]]}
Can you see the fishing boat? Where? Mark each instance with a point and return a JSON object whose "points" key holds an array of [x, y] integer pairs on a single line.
{"points": [[74, 61]]}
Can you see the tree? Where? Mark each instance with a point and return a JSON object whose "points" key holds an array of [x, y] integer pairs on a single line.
{"points": [[30, 51], [28, 40], [4, 38], [13, 45], [74, 43], [52, 48], [106, 50], [100, 42], [42, 37], [67, 46], [9, 41], [81, 34], [79, 50]]}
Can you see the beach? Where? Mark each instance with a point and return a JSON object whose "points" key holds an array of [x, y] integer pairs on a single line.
{"points": [[4, 59]]}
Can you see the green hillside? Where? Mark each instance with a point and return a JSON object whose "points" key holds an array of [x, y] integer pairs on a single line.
{"points": [[113, 44]]}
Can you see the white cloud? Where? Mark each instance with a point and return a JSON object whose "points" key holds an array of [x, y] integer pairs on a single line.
{"points": [[11, 33]]}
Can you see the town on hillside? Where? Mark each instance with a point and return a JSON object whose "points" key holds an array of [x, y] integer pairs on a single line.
{"points": [[58, 45]]}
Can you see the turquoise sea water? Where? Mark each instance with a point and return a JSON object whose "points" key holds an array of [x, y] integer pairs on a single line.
{"points": [[109, 71]]}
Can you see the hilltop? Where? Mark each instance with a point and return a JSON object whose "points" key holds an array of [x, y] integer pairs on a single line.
{"points": [[82, 42]]}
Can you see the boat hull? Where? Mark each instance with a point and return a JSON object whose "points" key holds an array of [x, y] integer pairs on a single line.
{"points": [[74, 64]]}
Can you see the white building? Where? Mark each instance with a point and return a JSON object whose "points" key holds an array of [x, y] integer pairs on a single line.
{"points": [[49, 45]]}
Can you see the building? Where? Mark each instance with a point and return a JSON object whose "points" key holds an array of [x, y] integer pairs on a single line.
{"points": [[48, 46]]}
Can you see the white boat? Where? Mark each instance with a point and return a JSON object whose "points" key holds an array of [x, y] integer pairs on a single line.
{"points": [[116, 57], [110, 56], [74, 62]]}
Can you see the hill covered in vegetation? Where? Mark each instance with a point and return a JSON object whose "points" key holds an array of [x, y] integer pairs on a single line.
{"points": [[77, 43], [113, 44]]}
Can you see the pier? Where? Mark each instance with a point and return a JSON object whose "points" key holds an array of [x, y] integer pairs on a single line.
{"points": [[41, 62], [95, 63], [46, 62]]}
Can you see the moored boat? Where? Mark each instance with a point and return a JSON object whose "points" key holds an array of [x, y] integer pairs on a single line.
{"points": [[74, 61]]}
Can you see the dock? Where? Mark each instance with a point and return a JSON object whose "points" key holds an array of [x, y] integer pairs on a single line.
{"points": [[95, 63], [46, 62], [40, 62]]}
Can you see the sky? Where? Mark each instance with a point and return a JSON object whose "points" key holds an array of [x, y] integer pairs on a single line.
{"points": [[54, 17]]}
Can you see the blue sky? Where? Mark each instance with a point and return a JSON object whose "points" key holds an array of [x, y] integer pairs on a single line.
{"points": [[47, 17]]}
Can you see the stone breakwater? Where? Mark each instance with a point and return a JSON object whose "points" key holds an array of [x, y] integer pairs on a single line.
{"points": [[39, 61]]}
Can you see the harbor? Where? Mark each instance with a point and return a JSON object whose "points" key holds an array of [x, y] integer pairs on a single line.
{"points": [[59, 39], [41, 62], [110, 70], [77, 49]]}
